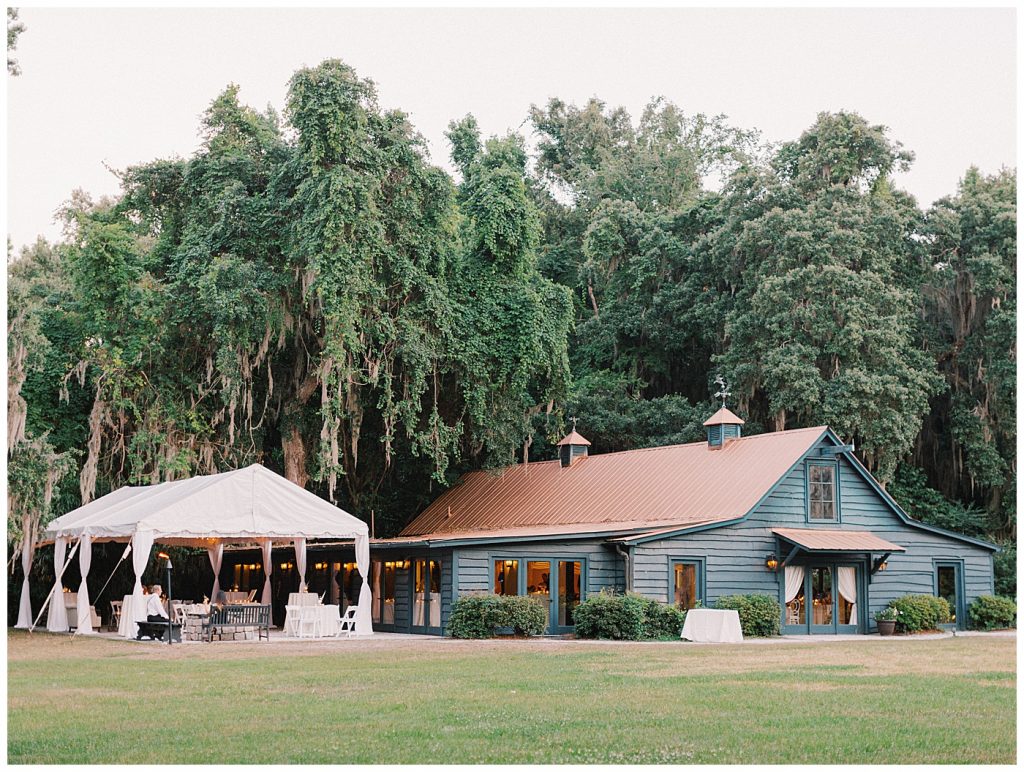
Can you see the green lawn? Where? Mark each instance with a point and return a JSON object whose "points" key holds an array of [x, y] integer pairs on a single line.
{"points": [[436, 701]]}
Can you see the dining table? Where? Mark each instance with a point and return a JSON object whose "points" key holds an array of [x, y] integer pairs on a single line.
{"points": [[232, 597], [707, 625]]}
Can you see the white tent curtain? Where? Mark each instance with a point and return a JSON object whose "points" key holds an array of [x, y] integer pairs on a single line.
{"points": [[216, 554], [142, 543], [848, 589], [794, 581], [300, 561], [25, 607], [364, 622], [84, 610], [268, 567], [57, 619]]}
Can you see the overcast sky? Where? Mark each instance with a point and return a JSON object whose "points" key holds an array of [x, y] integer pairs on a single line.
{"points": [[119, 87]]}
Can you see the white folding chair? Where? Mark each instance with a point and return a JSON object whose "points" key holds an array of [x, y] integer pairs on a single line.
{"points": [[309, 622], [291, 620], [347, 623]]}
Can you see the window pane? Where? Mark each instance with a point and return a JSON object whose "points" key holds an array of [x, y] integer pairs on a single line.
{"points": [[685, 585], [568, 591], [947, 588], [506, 577], [796, 609], [538, 584], [821, 594], [821, 492]]}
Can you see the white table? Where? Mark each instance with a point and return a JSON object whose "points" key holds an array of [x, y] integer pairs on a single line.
{"points": [[233, 597], [706, 625]]}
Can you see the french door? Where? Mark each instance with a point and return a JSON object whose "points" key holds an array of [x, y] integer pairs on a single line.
{"points": [[822, 598], [556, 583], [426, 596]]}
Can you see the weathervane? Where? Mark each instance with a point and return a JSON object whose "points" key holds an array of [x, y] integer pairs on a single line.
{"points": [[573, 419], [723, 389]]}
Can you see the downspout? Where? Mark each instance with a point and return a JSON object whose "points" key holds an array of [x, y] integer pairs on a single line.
{"points": [[627, 559]]}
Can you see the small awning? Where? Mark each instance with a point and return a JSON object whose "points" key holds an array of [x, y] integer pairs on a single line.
{"points": [[820, 540]]}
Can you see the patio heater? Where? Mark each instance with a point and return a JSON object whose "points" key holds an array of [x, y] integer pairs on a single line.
{"points": [[170, 608]]}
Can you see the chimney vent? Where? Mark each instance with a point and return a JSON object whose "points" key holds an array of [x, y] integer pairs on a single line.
{"points": [[722, 427], [572, 447]]}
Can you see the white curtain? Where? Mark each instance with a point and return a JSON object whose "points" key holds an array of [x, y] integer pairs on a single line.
{"points": [[794, 581], [84, 610], [364, 622], [268, 567], [216, 554], [300, 561], [25, 607], [57, 621], [142, 543], [848, 589]]}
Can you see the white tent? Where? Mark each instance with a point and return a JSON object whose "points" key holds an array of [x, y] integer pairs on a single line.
{"points": [[247, 506]]}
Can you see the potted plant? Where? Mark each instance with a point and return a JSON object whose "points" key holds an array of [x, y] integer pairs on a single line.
{"points": [[886, 620]]}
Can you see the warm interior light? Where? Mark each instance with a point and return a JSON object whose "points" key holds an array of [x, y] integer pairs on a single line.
{"points": [[771, 562], [284, 566], [162, 555]]}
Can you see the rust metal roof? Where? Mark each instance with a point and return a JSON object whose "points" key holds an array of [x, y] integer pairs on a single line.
{"points": [[837, 541], [724, 416], [633, 489]]}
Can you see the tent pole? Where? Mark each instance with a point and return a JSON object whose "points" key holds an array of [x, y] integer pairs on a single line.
{"points": [[61, 576]]}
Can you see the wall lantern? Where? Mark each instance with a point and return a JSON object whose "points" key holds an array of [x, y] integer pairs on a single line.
{"points": [[771, 562], [882, 566]]}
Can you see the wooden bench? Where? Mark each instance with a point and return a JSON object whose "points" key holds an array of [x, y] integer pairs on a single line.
{"points": [[236, 618], [155, 631]]}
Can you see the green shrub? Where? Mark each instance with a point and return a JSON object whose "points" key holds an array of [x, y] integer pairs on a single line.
{"points": [[759, 614], [477, 616], [609, 615], [920, 612], [662, 620], [525, 615], [992, 612], [473, 616], [629, 617]]}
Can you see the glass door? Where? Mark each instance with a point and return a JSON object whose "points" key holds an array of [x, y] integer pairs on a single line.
{"points": [[538, 585], [426, 596], [822, 606], [569, 594], [948, 585], [822, 599]]}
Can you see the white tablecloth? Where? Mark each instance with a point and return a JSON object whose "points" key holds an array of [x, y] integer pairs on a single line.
{"points": [[705, 625], [303, 599], [234, 596], [126, 618]]}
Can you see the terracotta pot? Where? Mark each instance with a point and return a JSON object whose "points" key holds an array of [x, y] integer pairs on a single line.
{"points": [[886, 627]]}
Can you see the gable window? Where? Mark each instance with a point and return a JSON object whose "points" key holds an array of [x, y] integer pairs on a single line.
{"points": [[821, 492]]}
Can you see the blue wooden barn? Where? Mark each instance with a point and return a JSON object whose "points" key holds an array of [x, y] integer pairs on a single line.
{"points": [[792, 514]]}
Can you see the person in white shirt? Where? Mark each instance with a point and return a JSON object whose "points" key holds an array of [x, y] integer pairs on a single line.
{"points": [[154, 607]]}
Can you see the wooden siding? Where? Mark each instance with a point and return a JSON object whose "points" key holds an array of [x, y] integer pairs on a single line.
{"points": [[604, 565], [735, 554]]}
